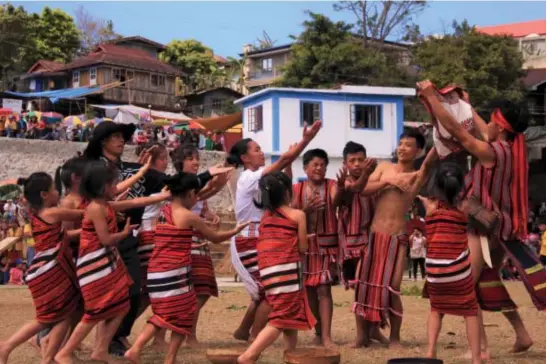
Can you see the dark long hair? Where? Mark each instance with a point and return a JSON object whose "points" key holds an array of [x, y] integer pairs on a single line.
{"points": [[33, 186], [274, 188], [63, 174], [182, 183], [183, 152], [449, 182], [97, 174], [237, 150]]}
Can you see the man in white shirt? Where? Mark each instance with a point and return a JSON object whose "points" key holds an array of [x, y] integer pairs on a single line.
{"points": [[10, 209]]}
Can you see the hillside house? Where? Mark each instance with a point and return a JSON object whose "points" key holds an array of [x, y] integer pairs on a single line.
{"points": [[372, 116], [45, 75], [213, 102]]}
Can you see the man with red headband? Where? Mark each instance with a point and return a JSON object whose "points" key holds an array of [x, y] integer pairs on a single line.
{"points": [[499, 181]]}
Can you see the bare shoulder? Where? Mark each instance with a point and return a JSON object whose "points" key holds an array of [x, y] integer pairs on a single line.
{"points": [[296, 215], [94, 208], [68, 202]]}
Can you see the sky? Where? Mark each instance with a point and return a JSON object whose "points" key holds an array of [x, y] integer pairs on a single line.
{"points": [[226, 26]]}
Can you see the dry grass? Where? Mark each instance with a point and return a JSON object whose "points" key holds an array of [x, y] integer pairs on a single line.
{"points": [[221, 316]]}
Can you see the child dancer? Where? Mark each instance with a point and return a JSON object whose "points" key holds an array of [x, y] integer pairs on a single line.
{"points": [[448, 265], [169, 281], [203, 272], [51, 278], [247, 153], [102, 276], [318, 197], [283, 237]]}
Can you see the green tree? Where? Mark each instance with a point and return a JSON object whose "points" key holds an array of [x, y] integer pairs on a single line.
{"points": [[197, 60], [327, 54], [488, 67], [93, 30], [16, 42], [236, 67], [56, 36]]}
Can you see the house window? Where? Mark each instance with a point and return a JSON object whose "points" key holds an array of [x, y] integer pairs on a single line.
{"points": [[267, 65], [309, 112], [93, 76], [366, 116], [129, 74], [118, 75], [157, 80], [76, 79], [217, 104], [255, 118]]}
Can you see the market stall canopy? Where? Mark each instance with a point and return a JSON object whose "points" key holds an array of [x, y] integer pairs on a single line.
{"points": [[221, 123], [141, 110], [124, 117], [56, 95], [5, 111]]}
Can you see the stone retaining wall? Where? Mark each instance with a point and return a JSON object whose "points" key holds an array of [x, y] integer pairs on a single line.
{"points": [[21, 157]]}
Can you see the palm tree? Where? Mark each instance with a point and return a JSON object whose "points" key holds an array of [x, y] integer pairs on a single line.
{"points": [[237, 66]]}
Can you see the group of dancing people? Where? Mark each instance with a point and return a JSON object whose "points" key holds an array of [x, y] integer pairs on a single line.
{"points": [[126, 236]]}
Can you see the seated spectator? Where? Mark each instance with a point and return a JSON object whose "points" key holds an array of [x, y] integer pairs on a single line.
{"points": [[17, 273], [4, 269], [141, 139]]}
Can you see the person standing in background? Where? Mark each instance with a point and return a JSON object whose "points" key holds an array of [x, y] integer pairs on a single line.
{"points": [[417, 252]]}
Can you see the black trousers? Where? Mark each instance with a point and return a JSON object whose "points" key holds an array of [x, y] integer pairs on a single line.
{"points": [[128, 252], [421, 263]]}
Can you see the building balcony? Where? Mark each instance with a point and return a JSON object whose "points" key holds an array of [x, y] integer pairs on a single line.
{"points": [[264, 74]]}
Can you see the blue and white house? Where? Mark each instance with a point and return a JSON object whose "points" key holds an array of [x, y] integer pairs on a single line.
{"points": [[372, 116]]}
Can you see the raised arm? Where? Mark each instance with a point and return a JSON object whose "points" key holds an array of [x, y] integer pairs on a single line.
{"points": [[139, 202], [424, 171], [125, 184], [294, 151], [213, 236], [480, 149], [97, 215], [58, 214], [359, 185]]}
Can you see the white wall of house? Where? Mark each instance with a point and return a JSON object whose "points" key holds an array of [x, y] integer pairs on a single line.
{"points": [[337, 130]]}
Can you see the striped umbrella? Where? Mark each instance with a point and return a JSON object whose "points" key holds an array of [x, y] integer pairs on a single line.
{"points": [[73, 120]]}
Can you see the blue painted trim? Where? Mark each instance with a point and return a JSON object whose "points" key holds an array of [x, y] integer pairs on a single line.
{"points": [[275, 124], [316, 96], [400, 111], [274, 158], [302, 179], [381, 117], [309, 102]]}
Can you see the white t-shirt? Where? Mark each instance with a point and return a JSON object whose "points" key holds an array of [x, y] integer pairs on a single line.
{"points": [[10, 208], [417, 250], [246, 191]]}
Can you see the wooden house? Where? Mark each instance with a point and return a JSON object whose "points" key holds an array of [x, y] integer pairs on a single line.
{"points": [[213, 102], [144, 80], [44, 76]]}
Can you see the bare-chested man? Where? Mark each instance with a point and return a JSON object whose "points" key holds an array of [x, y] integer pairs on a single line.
{"points": [[395, 186]]}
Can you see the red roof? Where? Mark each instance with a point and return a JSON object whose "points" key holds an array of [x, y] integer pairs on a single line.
{"points": [[220, 59], [125, 57], [43, 66], [516, 30]]}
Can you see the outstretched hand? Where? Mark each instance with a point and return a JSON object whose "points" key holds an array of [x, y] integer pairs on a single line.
{"points": [[122, 195], [242, 226], [404, 182], [314, 203], [425, 88], [310, 132], [145, 155], [341, 177], [430, 205], [219, 169], [128, 228]]}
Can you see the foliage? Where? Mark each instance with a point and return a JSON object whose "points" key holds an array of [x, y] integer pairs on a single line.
{"points": [[236, 69], [25, 38], [488, 67], [327, 54], [93, 30], [378, 20], [197, 60], [56, 36]]}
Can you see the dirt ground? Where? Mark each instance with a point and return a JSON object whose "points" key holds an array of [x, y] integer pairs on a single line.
{"points": [[221, 317]]}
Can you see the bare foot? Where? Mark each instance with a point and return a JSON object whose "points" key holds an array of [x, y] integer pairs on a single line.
{"points": [[4, 353], [63, 359], [328, 343], [158, 346], [104, 357], [317, 341], [360, 343], [244, 360], [395, 344], [522, 345], [192, 342], [241, 335], [376, 335], [133, 356], [485, 356]]}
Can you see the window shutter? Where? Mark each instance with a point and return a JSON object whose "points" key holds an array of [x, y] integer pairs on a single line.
{"points": [[352, 115]]}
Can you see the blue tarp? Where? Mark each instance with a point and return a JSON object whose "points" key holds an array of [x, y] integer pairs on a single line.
{"points": [[56, 95]]}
